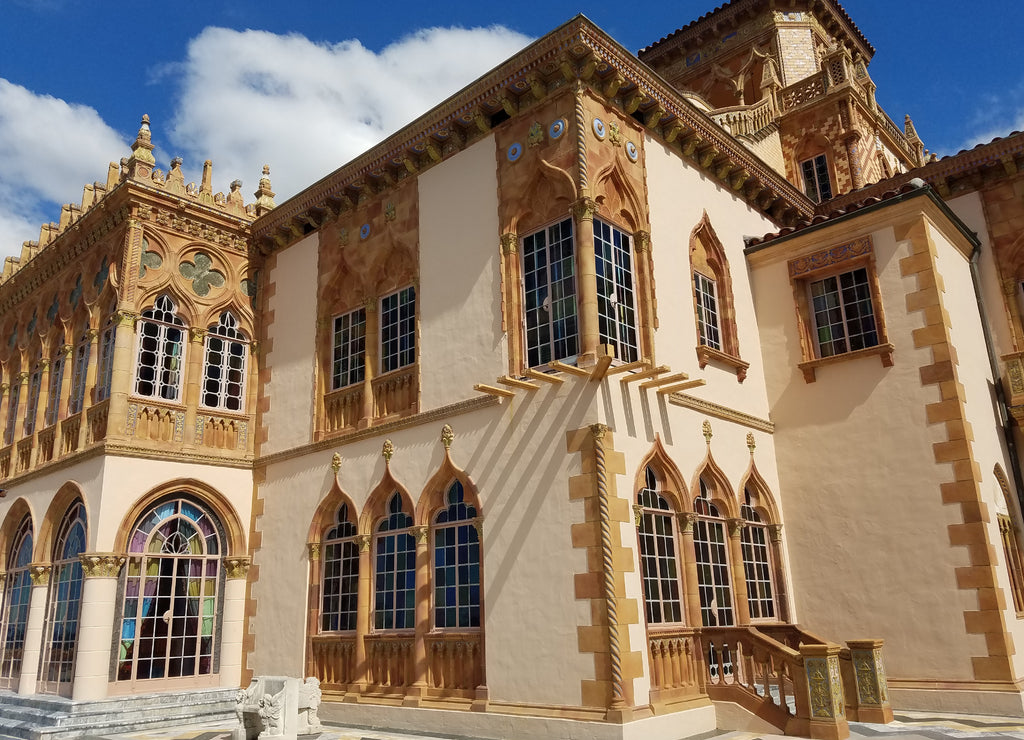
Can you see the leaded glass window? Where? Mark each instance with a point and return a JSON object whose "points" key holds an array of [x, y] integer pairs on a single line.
{"points": [[398, 330], [844, 318], [711, 547], [348, 361], [79, 372], [105, 371], [63, 604], [17, 591], [549, 283], [340, 580], [224, 365], [616, 304], [161, 344], [394, 555], [756, 563], [456, 563], [659, 555], [35, 384], [708, 327]]}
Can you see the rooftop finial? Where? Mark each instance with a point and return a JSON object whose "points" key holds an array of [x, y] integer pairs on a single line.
{"points": [[908, 127], [264, 195], [140, 164]]}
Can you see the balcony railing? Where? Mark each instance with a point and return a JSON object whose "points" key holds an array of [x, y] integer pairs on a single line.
{"points": [[222, 432], [343, 408], [69, 429], [456, 663], [97, 416], [804, 91], [746, 120], [334, 661], [394, 393], [46, 440], [389, 662], [677, 664], [154, 421]]}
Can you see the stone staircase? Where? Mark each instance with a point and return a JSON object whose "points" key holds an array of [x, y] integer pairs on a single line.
{"points": [[37, 717]]}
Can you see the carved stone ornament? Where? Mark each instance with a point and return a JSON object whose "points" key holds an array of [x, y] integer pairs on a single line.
{"points": [[736, 527], [536, 135], [751, 444], [389, 211], [686, 521], [236, 567], [364, 540], [343, 237], [39, 573], [447, 436], [585, 209], [388, 450], [706, 430], [638, 514], [101, 565], [420, 532], [509, 242], [336, 462], [598, 430], [314, 550], [775, 533]]}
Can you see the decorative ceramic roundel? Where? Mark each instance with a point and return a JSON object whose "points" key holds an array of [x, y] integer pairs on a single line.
{"points": [[599, 130], [631, 151], [557, 128], [514, 151], [364, 231]]}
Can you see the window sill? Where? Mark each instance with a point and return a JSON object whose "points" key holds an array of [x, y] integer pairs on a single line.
{"points": [[883, 351], [707, 354]]}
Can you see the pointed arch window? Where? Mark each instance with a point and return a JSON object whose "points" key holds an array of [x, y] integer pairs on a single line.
{"points": [[13, 401], [63, 604], [161, 346], [55, 387], [105, 371], [172, 593], [35, 385], [340, 581], [711, 546], [456, 563], [79, 370], [17, 592], [659, 554], [714, 304], [757, 569], [394, 549], [224, 365]]}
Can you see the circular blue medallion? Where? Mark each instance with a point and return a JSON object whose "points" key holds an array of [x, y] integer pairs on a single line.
{"points": [[557, 128], [631, 151], [599, 130], [364, 231], [514, 151]]}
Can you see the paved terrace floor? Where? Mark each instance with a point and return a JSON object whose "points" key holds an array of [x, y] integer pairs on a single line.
{"points": [[907, 726]]}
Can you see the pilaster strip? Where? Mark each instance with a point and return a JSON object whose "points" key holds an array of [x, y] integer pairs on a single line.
{"points": [[614, 650]]}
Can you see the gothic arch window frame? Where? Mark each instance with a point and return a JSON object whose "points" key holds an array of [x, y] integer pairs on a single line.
{"points": [[160, 351], [107, 341], [16, 597], [139, 604], [339, 546], [655, 506], [80, 356], [64, 603], [711, 553], [13, 397], [35, 387], [758, 567], [453, 557], [393, 531], [225, 365], [714, 302]]}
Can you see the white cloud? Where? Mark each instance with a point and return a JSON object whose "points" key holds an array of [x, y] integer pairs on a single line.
{"points": [[49, 149], [250, 98]]}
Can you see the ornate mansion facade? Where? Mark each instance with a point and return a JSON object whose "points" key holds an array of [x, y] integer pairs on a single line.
{"points": [[618, 395]]}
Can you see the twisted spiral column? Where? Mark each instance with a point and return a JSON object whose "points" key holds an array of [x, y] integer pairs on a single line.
{"points": [[614, 649], [581, 142]]}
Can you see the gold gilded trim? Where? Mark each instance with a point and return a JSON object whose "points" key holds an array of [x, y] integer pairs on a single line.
{"points": [[721, 412]]}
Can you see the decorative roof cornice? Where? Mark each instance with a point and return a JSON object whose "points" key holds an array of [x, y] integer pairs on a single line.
{"points": [[576, 51], [947, 175], [728, 12]]}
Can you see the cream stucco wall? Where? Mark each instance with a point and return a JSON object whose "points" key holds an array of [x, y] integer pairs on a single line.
{"points": [[865, 520], [530, 615], [292, 354], [460, 296], [678, 196]]}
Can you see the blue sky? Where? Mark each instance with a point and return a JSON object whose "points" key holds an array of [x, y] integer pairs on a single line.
{"points": [[305, 86]]}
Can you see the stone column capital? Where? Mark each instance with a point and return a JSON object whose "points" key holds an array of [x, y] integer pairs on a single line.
{"points": [[236, 568], [39, 573], [420, 532], [101, 564]]}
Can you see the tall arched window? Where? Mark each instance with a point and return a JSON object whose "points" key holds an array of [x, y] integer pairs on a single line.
{"points": [[35, 385], [105, 370], [394, 547], [172, 587], [756, 562], [224, 365], [711, 546], [16, 601], [55, 387], [63, 605], [79, 370], [161, 351], [14, 397], [340, 574], [659, 551], [456, 563]]}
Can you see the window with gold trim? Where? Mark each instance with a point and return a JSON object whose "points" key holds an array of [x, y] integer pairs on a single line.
{"points": [[1014, 561], [839, 309], [713, 302]]}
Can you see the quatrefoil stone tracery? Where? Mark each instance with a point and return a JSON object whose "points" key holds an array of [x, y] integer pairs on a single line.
{"points": [[202, 274]]}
